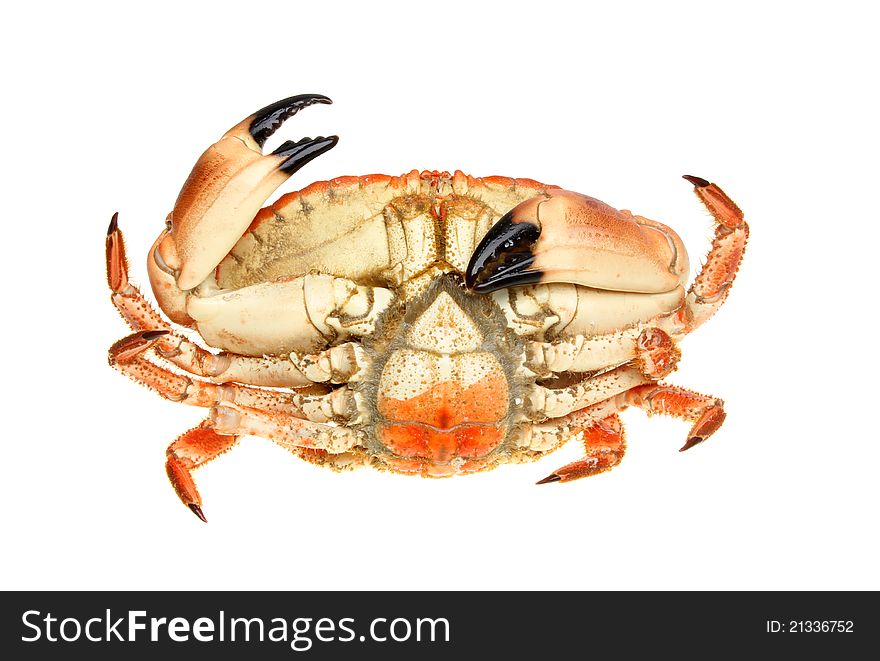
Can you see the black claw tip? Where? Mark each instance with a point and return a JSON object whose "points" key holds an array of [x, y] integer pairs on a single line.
{"points": [[503, 257], [267, 120], [699, 182], [198, 511], [114, 223], [553, 477], [153, 334], [691, 442], [297, 154]]}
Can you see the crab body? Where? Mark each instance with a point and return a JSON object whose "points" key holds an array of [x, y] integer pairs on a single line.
{"points": [[429, 323]]}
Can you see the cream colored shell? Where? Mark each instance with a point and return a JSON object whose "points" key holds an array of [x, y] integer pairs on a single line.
{"points": [[322, 265]]}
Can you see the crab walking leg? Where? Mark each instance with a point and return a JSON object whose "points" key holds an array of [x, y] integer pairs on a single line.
{"points": [[712, 285], [286, 430], [226, 367], [603, 431], [651, 349], [223, 367], [706, 412], [128, 356], [340, 364], [557, 402], [192, 449], [214, 436], [604, 446], [132, 305]]}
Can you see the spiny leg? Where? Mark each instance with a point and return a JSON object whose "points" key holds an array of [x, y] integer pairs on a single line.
{"points": [[706, 412], [279, 416], [712, 285], [544, 402], [651, 350], [192, 449], [604, 447], [129, 301], [128, 355], [288, 431], [220, 432]]}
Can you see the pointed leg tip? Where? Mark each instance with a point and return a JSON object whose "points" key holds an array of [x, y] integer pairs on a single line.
{"points": [[129, 348], [691, 442], [553, 477], [198, 511], [699, 182], [114, 224], [154, 334]]}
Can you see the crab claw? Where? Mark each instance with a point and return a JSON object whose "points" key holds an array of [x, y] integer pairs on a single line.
{"points": [[562, 236], [229, 184]]}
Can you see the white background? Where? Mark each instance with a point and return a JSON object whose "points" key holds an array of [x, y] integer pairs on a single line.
{"points": [[107, 107]]}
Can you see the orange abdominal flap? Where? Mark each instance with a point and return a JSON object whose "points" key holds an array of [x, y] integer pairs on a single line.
{"points": [[447, 420]]}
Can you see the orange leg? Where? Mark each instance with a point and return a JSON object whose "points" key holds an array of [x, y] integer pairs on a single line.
{"points": [[226, 424], [712, 284], [604, 446], [603, 431], [193, 449], [288, 431], [128, 355], [707, 413], [274, 415], [652, 350]]}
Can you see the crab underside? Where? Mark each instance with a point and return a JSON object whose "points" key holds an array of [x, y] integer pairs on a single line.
{"points": [[430, 323]]}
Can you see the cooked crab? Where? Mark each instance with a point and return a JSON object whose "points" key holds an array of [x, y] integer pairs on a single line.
{"points": [[430, 324]]}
